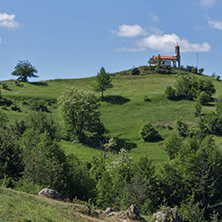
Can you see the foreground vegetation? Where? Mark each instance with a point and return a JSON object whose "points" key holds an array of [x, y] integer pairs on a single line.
{"points": [[41, 152]]}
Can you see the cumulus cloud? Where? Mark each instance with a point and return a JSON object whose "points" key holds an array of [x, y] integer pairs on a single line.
{"points": [[7, 21], [129, 31], [215, 24], [166, 42], [207, 3]]}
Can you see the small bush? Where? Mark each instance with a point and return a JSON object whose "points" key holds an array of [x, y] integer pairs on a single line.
{"points": [[14, 107], [149, 134], [198, 108], [4, 85], [146, 99], [204, 98], [135, 71], [170, 93], [38, 106], [172, 146], [201, 70], [181, 127], [18, 83], [194, 70]]}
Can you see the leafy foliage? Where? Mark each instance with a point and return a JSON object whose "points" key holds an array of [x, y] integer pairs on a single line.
{"points": [[170, 93], [79, 110], [172, 146], [149, 134], [10, 156], [198, 109], [24, 70], [190, 88], [181, 127]]}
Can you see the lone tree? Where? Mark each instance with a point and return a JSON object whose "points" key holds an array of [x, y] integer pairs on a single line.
{"points": [[103, 81], [79, 110], [23, 70]]}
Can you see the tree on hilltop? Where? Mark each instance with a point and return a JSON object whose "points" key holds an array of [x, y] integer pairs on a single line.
{"points": [[24, 70], [103, 81]]}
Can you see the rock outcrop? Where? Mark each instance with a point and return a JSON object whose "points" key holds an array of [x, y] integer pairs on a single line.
{"points": [[49, 193], [168, 215]]}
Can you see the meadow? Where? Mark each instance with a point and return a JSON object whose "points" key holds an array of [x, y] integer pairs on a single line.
{"points": [[132, 102]]}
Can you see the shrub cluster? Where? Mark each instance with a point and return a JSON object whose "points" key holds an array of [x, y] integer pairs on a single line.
{"points": [[191, 88]]}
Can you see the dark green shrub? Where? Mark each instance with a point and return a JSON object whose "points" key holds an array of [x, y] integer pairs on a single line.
{"points": [[14, 107], [172, 146], [201, 70], [204, 98], [4, 85], [38, 106], [194, 70], [146, 99], [210, 124], [181, 127], [170, 93], [135, 71], [149, 134], [18, 83], [198, 108]]}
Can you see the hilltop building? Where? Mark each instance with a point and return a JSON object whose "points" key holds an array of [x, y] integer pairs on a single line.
{"points": [[173, 61]]}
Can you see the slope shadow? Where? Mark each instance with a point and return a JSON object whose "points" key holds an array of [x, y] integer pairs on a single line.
{"points": [[119, 100], [39, 83], [123, 143]]}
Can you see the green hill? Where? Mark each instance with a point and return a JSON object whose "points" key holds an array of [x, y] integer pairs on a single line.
{"points": [[133, 101]]}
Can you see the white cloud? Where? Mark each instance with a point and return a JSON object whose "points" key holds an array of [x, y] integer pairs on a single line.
{"points": [[156, 31], [215, 24], [154, 17], [129, 31], [207, 3], [7, 21], [167, 42]]}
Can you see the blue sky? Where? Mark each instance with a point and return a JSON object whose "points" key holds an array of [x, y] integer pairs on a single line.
{"points": [[73, 39]]}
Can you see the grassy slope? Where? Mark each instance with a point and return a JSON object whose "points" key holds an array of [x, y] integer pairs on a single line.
{"points": [[19, 206], [125, 111]]}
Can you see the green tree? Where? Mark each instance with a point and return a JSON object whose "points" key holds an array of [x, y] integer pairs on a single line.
{"points": [[79, 110], [43, 160], [103, 81], [24, 70], [172, 146], [10, 156]]}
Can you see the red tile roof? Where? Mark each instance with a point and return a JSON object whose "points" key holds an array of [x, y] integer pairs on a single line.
{"points": [[166, 57]]}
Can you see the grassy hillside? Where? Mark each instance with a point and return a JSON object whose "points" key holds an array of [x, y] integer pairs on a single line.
{"points": [[19, 206], [133, 101]]}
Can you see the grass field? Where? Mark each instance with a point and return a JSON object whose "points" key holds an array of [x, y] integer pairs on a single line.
{"points": [[124, 110], [19, 206]]}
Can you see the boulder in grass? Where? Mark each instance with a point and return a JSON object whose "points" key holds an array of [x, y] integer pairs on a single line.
{"points": [[168, 215], [49, 193], [133, 212]]}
